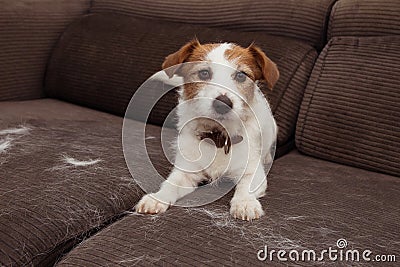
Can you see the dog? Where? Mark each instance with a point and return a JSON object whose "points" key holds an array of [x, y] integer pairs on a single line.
{"points": [[223, 113]]}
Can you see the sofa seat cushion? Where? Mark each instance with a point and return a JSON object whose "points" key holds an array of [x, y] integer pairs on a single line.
{"points": [[310, 204], [102, 59], [351, 107], [49, 199]]}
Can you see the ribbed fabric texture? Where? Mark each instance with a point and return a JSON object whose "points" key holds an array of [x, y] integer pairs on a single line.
{"points": [[102, 59], [351, 108], [305, 20], [286, 102], [365, 18], [28, 31], [310, 204], [46, 203]]}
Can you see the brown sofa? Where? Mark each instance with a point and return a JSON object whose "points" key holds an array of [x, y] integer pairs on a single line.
{"points": [[69, 68]]}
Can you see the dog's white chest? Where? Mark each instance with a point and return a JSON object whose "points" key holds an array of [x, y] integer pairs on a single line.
{"points": [[219, 166], [230, 164]]}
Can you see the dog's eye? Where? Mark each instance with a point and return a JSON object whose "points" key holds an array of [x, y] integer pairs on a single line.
{"points": [[240, 76], [204, 75]]}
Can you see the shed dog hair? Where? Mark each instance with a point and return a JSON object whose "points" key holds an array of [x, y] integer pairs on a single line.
{"points": [[224, 114]]}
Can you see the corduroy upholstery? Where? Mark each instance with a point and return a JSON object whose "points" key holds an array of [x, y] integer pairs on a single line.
{"points": [[102, 59], [305, 20], [46, 204], [365, 18], [29, 30], [310, 204], [350, 111], [349, 115]]}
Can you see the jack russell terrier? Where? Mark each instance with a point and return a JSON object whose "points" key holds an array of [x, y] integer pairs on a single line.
{"points": [[225, 125]]}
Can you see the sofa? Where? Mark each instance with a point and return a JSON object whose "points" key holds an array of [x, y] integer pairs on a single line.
{"points": [[68, 70]]}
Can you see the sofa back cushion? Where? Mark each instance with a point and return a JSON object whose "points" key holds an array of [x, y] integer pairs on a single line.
{"points": [[28, 31], [364, 18], [102, 59], [351, 108], [305, 20]]}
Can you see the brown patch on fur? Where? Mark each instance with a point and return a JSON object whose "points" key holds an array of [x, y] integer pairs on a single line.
{"points": [[191, 89], [190, 52], [247, 90], [247, 64], [253, 61], [193, 51], [200, 53], [245, 60], [269, 70], [179, 57]]}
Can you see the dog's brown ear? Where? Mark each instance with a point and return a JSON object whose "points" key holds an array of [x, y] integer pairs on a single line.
{"points": [[269, 70], [179, 57]]}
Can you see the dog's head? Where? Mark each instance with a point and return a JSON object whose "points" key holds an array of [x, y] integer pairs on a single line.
{"points": [[220, 78]]}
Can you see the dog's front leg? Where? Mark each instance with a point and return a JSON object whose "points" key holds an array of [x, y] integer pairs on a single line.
{"points": [[178, 185], [245, 204]]}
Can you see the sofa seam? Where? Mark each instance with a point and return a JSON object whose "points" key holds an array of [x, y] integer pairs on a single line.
{"points": [[81, 236], [303, 63], [314, 59], [331, 19], [326, 22], [89, 11], [287, 84], [313, 91]]}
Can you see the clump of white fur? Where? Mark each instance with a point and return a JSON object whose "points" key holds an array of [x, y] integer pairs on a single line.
{"points": [[17, 130], [5, 144], [80, 163]]}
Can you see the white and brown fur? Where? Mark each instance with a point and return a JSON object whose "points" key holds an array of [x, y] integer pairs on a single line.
{"points": [[250, 118]]}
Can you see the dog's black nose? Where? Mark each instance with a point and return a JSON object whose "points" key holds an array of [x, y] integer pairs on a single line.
{"points": [[222, 104]]}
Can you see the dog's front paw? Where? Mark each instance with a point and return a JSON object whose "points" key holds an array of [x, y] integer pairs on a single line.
{"points": [[246, 208], [150, 205]]}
